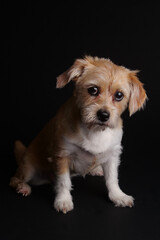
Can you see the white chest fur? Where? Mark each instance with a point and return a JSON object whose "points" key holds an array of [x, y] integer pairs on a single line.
{"points": [[97, 142], [90, 148]]}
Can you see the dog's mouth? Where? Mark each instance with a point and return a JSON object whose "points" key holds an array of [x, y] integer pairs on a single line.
{"points": [[93, 123], [102, 124], [98, 125]]}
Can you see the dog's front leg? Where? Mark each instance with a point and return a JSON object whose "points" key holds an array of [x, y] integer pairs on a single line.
{"points": [[116, 195], [63, 200]]}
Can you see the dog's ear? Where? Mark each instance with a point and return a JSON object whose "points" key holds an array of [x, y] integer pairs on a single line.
{"points": [[73, 73], [137, 93]]}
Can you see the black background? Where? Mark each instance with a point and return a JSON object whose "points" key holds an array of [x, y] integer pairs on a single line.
{"points": [[40, 41]]}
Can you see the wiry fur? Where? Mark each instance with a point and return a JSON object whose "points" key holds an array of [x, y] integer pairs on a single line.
{"points": [[75, 141]]}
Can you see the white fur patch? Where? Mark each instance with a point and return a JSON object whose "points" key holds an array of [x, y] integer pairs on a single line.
{"points": [[92, 148], [63, 201], [97, 142]]}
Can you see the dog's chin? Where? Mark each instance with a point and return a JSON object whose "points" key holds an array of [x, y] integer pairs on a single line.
{"points": [[99, 126]]}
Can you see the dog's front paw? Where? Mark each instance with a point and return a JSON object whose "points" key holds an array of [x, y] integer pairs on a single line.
{"points": [[63, 204], [122, 200]]}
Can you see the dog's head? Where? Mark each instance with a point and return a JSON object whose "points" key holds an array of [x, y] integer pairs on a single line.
{"points": [[103, 90]]}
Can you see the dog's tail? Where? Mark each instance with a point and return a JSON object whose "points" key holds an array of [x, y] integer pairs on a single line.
{"points": [[19, 150]]}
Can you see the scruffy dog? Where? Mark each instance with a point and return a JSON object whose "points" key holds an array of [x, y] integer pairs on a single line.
{"points": [[85, 135]]}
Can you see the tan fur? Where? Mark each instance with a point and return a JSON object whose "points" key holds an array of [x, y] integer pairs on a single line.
{"points": [[47, 154], [138, 95], [19, 150]]}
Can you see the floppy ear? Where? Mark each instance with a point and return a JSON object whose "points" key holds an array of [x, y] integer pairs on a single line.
{"points": [[72, 73], [137, 93]]}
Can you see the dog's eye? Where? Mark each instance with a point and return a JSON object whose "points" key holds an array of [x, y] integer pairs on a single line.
{"points": [[118, 96], [93, 91]]}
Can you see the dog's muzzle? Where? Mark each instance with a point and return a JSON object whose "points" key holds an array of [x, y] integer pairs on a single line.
{"points": [[103, 116]]}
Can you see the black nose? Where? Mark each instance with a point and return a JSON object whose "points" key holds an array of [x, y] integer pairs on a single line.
{"points": [[102, 115]]}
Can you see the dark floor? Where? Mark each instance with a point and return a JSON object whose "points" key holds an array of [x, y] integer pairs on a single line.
{"points": [[93, 217]]}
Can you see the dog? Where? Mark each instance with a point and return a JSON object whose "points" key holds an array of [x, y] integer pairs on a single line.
{"points": [[85, 135]]}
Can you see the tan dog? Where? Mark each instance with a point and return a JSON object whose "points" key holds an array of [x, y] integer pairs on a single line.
{"points": [[85, 135]]}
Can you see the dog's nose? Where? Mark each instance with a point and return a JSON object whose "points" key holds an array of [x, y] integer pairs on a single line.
{"points": [[102, 115]]}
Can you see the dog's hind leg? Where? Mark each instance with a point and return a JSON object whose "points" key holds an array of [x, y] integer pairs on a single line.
{"points": [[24, 172], [20, 180]]}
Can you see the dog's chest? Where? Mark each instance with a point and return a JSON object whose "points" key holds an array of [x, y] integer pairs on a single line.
{"points": [[81, 161], [88, 150], [97, 142]]}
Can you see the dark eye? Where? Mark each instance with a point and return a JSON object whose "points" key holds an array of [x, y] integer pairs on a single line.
{"points": [[118, 96], [93, 91]]}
